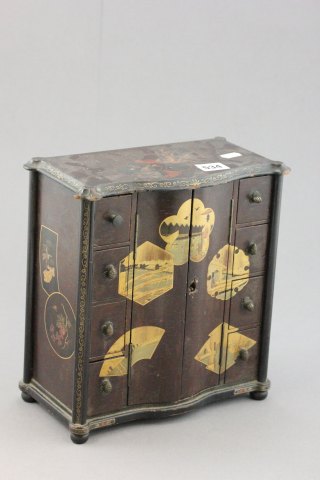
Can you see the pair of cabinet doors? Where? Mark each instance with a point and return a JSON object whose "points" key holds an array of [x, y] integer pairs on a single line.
{"points": [[177, 282]]}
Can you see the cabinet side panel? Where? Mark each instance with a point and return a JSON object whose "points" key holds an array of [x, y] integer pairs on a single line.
{"points": [[56, 286]]}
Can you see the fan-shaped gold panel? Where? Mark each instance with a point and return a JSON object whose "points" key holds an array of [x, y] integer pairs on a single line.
{"points": [[144, 341]]}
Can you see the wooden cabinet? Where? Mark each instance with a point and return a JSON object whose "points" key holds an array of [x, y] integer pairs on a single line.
{"points": [[150, 282]]}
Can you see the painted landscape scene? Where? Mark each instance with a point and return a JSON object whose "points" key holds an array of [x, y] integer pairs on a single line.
{"points": [[153, 273]]}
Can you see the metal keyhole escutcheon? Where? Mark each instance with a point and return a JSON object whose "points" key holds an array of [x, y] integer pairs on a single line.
{"points": [[193, 285]]}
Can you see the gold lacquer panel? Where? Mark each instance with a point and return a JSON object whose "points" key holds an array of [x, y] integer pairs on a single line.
{"points": [[229, 264], [220, 346], [143, 340], [175, 230], [147, 276]]}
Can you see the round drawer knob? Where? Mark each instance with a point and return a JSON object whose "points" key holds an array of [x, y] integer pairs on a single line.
{"points": [[243, 354], [107, 329], [248, 304], [116, 220], [255, 197], [252, 249], [110, 272], [106, 386]]}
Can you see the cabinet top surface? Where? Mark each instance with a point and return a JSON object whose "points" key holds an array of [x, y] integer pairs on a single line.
{"points": [[161, 167]]}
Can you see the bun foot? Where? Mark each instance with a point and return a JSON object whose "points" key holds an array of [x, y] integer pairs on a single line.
{"points": [[259, 395], [78, 439], [26, 397]]}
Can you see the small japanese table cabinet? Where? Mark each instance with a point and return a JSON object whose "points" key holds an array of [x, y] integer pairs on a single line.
{"points": [[150, 280]]}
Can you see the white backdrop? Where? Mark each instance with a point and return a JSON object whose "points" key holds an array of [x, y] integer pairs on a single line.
{"points": [[81, 75]]}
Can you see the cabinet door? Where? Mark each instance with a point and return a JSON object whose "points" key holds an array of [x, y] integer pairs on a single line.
{"points": [[206, 295], [158, 281]]}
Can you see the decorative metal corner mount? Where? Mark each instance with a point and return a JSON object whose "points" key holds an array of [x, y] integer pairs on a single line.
{"points": [[81, 191], [91, 194], [32, 164], [78, 429]]}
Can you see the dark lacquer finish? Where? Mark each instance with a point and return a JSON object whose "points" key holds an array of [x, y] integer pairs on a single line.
{"points": [[254, 199], [158, 380], [106, 273], [246, 308], [158, 167], [112, 220], [105, 394], [30, 293], [108, 323], [56, 297], [253, 240], [269, 286], [245, 367], [204, 313], [150, 281]]}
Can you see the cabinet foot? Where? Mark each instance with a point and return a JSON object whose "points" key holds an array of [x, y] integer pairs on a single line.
{"points": [[26, 397], [78, 439], [259, 395], [79, 433]]}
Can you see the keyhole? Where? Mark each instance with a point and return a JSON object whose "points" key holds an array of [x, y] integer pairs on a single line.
{"points": [[193, 285]]}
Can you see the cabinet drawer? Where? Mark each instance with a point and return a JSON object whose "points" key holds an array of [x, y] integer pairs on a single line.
{"points": [[112, 220], [106, 394], [107, 329], [106, 274], [242, 355], [254, 199], [253, 241], [246, 306]]}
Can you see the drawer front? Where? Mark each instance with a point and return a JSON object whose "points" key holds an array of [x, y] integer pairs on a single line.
{"points": [[106, 394], [106, 274], [254, 199], [112, 220], [107, 329], [246, 306], [253, 241], [242, 355]]}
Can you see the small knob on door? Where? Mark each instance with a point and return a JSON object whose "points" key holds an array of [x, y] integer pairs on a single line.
{"points": [[115, 219], [243, 354], [248, 304], [106, 386], [252, 249], [255, 197], [107, 329], [110, 272]]}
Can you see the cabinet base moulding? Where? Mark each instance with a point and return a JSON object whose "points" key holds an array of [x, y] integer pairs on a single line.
{"points": [[80, 433]]}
